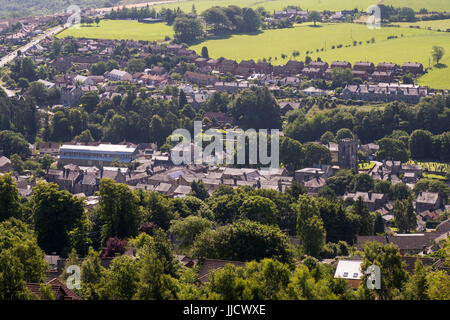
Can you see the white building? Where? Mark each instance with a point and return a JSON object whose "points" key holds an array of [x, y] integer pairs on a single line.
{"points": [[118, 75]]}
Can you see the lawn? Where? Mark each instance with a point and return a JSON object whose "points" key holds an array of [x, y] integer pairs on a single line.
{"points": [[270, 5], [411, 45], [120, 30]]}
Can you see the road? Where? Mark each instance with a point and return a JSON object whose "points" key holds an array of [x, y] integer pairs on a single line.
{"points": [[10, 57]]}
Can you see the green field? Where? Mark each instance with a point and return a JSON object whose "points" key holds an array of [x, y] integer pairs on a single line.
{"points": [[120, 30], [433, 24], [270, 5], [414, 46]]}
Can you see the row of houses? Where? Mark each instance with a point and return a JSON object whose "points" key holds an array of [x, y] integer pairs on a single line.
{"points": [[385, 92]]}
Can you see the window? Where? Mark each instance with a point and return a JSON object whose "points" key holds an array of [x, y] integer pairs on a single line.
{"points": [[345, 274], [355, 275]]}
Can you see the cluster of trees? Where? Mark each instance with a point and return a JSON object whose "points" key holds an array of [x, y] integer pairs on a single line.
{"points": [[232, 19], [397, 14], [396, 120], [125, 13]]}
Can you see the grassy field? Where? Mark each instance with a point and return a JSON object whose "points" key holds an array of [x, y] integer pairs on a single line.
{"points": [[121, 30], [415, 46], [270, 5], [433, 24]]}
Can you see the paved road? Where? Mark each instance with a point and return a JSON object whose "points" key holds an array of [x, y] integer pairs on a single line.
{"points": [[10, 57]]}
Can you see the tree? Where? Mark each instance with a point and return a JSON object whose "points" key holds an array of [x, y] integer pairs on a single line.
{"points": [[404, 215], [187, 29], [56, 212], [9, 198], [363, 183], [118, 209], [260, 209], [256, 108], [12, 282], [120, 280], [46, 162], [438, 285], [243, 241], [314, 16], [198, 190], [420, 144], [291, 153], [392, 149], [21, 242], [14, 143], [416, 288], [327, 137], [205, 53], [189, 228], [156, 208], [392, 268], [437, 53], [136, 65], [38, 91], [366, 221], [310, 229], [344, 133], [316, 154]]}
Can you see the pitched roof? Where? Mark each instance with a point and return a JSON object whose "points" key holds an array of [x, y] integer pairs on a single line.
{"points": [[212, 265]]}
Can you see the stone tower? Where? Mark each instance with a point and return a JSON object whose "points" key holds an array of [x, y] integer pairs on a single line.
{"points": [[348, 153]]}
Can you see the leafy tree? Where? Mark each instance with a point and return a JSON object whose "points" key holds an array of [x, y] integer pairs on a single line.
{"points": [[115, 246], [310, 229], [14, 143], [19, 243], [9, 198], [438, 285], [205, 53], [366, 220], [392, 268], [420, 144], [118, 208], [189, 228], [156, 208], [416, 287], [404, 215], [198, 190], [392, 149], [437, 53], [56, 212], [327, 137], [256, 108], [291, 153], [120, 280], [244, 241], [187, 29], [12, 281], [363, 183], [260, 209], [314, 16]]}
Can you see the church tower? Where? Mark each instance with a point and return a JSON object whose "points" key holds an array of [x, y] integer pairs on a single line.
{"points": [[348, 153]]}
